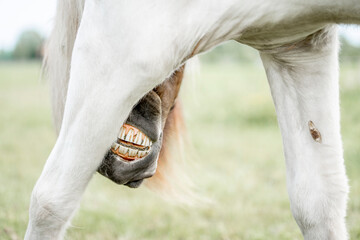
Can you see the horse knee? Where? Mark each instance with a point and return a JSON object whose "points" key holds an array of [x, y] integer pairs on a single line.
{"points": [[48, 214]]}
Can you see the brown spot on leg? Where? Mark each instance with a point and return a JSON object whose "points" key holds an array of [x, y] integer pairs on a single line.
{"points": [[316, 135]]}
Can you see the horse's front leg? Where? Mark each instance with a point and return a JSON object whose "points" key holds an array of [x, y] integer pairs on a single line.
{"points": [[102, 90], [304, 83], [96, 108]]}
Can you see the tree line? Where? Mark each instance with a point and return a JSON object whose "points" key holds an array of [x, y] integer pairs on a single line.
{"points": [[30, 46]]}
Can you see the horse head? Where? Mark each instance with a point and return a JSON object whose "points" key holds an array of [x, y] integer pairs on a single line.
{"points": [[140, 139]]}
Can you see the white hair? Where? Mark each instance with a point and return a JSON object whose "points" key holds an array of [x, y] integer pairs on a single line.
{"points": [[57, 61], [56, 66]]}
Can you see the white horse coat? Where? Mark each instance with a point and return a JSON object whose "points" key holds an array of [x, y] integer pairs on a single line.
{"points": [[123, 49]]}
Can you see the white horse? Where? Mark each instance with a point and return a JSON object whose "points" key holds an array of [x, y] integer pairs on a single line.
{"points": [[120, 51]]}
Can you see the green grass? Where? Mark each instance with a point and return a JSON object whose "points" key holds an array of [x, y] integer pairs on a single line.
{"points": [[237, 162]]}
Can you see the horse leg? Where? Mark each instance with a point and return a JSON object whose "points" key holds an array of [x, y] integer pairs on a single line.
{"points": [[303, 78], [101, 93], [94, 113], [95, 110]]}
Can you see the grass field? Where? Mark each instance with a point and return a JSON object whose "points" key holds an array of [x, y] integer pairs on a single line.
{"points": [[237, 162]]}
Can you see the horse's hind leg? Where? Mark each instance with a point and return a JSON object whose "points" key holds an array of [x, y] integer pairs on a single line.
{"points": [[304, 84]]}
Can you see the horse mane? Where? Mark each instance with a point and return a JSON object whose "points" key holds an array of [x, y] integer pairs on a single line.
{"points": [[169, 180]]}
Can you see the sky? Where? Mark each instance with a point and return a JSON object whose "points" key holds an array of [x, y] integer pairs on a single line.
{"points": [[19, 15]]}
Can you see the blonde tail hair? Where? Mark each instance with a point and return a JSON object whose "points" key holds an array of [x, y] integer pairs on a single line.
{"points": [[171, 180]]}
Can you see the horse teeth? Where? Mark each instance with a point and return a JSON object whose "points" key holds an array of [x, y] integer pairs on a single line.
{"points": [[132, 153], [129, 136], [126, 151], [141, 154], [115, 146], [137, 138], [148, 142], [123, 150], [122, 133], [145, 142]]}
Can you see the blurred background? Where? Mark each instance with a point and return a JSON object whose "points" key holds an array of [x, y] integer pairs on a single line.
{"points": [[236, 152]]}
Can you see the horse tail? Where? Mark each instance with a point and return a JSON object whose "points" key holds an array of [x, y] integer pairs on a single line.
{"points": [[171, 180], [56, 65]]}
